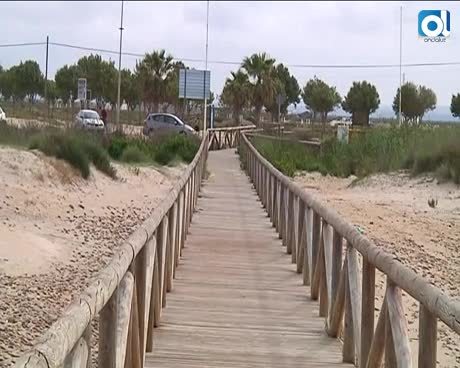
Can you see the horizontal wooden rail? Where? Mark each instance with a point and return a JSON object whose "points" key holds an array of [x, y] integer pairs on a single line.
{"points": [[346, 291], [310, 144], [228, 137], [129, 294]]}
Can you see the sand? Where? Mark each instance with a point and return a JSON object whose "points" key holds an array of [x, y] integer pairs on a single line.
{"points": [[56, 231], [393, 211]]}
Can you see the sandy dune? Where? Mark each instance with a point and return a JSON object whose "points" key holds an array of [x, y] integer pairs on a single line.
{"points": [[393, 211], [56, 230]]}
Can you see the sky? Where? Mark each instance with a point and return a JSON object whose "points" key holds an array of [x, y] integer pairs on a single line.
{"points": [[291, 32]]}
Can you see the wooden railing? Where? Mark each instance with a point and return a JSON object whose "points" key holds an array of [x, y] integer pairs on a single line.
{"points": [[221, 138], [326, 249], [127, 297]]}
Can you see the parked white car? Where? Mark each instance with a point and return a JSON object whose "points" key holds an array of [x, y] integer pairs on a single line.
{"points": [[2, 115], [340, 121], [89, 119]]}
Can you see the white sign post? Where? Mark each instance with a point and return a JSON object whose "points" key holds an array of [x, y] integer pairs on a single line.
{"points": [[81, 89]]}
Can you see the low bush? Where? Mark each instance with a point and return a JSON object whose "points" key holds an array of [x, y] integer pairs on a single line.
{"points": [[78, 149], [116, 146], [133, 154], [177, 147]]}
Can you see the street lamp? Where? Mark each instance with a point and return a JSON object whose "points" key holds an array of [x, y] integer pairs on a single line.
{"points": [[206, 68], [400, 66], [119, 65]]}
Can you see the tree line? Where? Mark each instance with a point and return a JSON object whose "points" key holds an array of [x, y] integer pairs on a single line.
{"points": [[254, 87], [154, 81], [259, 80]]}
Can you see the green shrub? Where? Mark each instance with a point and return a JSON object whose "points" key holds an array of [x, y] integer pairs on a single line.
{"points": [[99, 157], [19, 137], [116, 146], [78, 149], [176, 147], [63, 148], [419, 149], [133, 154]]}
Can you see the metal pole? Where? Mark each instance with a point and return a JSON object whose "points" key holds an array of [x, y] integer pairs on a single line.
{"points": [[119, 65], [206, 66], [400, 67], [46, 76]]}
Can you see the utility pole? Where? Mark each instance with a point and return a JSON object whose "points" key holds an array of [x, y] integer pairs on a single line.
{"points": [[400, 66], [206, 68], [119, 65], [46, 76]]}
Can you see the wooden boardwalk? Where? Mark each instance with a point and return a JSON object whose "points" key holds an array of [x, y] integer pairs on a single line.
{"points": [[237, 300]]}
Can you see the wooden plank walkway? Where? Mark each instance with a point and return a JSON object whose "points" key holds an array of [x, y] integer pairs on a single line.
{"points": [[237, 301]]}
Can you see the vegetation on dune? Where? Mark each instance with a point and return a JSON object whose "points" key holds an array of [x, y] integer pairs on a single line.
{"points": [[81, 149], [164, 150], [418, 149], [75, 148]]}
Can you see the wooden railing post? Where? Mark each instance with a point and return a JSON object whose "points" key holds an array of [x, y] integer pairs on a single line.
{"points": [[289, 229], [308, 266], [79, 356], [336, 266], [87, 337], [427, 337], [398, 327], [301, 235], [159, 289], [338, 307], [263, 182], [367, 309], [355, 297], [315, 249], [275, 202], [183, 218], [377, 347], [282, 214], [170, 252], [270, 195], [125, 298], [107, 333], [178, 246], [152, 285], [192, 195], [348, 348]]}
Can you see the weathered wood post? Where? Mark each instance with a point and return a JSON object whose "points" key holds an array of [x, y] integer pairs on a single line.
{"points": [[428, 336], [368, 306]]}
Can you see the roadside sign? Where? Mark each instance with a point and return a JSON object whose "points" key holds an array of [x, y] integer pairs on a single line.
{"points": [[342, 133], [81, 89], [280, 99], [194, 84]]}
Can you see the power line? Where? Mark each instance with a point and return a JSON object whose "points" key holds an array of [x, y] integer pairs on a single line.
{"points": [[23, 44], [190, 60], [226, 62], [229, 62], [95, 49]]}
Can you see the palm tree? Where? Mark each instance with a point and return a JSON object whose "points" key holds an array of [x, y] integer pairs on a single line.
{"points": [[236, 93], [154, 72], [261, 70]]}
